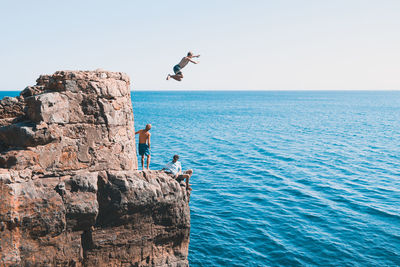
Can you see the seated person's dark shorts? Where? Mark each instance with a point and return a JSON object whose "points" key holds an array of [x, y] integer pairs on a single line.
{"points": [[179, 178]]}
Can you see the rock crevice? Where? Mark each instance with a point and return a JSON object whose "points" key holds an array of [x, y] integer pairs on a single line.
{"points": [[70, 191]]}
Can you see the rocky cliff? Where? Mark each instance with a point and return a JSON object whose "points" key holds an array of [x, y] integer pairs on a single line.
{"points": [[70, 191]]}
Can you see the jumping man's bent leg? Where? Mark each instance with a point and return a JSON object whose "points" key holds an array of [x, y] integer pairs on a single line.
{"points": [[176, 77]]}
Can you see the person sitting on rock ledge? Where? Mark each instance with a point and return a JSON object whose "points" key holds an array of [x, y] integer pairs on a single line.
{"points": [[174, 169], [144, 144]]}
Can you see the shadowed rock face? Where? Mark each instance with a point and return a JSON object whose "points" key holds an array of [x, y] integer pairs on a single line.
{"points": [[70, 192]]}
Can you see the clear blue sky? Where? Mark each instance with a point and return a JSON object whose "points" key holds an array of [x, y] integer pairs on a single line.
{"points": [[258, 45]]}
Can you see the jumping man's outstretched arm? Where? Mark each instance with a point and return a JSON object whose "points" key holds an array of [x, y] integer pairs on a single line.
{"points": [[137, 132], [195, 62]]}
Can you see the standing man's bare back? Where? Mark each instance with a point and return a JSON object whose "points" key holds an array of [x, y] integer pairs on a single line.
{"points": [[144, 144], [144, 136]]}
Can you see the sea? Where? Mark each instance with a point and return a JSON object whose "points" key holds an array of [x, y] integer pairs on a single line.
{"points": [[283, 178]]}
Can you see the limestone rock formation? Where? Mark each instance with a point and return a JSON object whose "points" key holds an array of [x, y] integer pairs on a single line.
{"points": [[70, 191]]}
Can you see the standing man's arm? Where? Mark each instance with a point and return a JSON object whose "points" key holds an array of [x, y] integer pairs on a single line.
{"points": [[148, 140]]}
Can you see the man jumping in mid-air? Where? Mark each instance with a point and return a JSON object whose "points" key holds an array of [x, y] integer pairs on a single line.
{"points": [[177, 68]]}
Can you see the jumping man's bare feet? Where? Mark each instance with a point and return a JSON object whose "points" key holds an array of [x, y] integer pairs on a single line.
{"points": [[168, 77]]}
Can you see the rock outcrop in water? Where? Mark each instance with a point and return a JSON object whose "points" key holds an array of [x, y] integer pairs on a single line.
{"points": [[70, 192]]}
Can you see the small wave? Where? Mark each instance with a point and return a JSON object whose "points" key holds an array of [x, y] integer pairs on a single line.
{"points": [[271, 154]]}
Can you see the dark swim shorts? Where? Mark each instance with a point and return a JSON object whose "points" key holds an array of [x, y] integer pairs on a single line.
{"points": [[177, 69], [144, 150], [179, 178]]}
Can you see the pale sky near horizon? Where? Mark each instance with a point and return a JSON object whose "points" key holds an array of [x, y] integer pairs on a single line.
{"points": [[244, 45]]}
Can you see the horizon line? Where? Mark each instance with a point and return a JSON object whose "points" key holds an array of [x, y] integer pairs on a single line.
{"points": [[244, 90], [255, 90]]}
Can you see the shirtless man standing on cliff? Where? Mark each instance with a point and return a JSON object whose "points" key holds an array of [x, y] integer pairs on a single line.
{"points": [[177, 68], [144, 144]]}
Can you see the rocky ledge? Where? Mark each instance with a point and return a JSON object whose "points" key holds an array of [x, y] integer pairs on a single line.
{"points": [[70, 191]]}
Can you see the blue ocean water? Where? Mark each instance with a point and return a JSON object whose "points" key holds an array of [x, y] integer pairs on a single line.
{"points": [[284, 178]]}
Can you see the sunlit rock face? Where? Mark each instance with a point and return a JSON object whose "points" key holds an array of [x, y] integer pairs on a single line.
{"points": [[70, 192]]}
